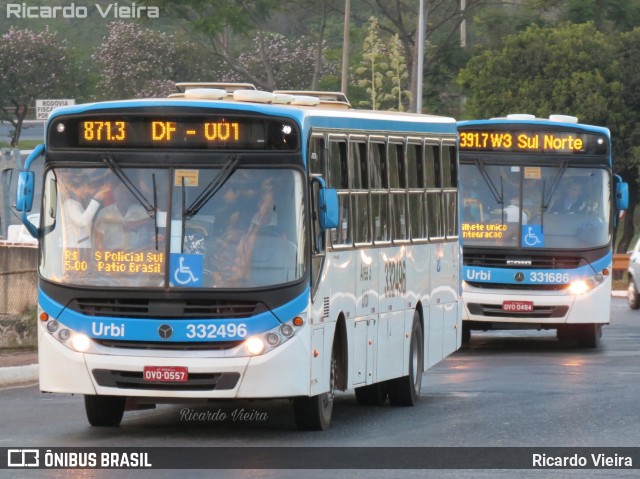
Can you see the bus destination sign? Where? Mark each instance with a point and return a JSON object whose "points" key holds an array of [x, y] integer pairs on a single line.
{"points": [[535, 141], [200, 132]]}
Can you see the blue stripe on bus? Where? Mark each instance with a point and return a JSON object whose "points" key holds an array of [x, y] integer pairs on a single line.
{"points": [[535, 276], [184, 330]]}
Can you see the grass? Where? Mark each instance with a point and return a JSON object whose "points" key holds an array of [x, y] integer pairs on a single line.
{"points": [[22, 145]]}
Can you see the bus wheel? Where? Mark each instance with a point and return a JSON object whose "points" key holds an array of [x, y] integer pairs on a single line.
{"points": [[104, 410], [632, 294], [314, 413], [466, 333], [372, 395], [588, 335], [405, 391]]}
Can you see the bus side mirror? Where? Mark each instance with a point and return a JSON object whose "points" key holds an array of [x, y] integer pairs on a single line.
{"points": [[622, 193], [328, 211], [24, 191]]}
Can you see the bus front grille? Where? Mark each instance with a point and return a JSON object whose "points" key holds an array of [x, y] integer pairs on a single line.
{"points": [[169, 346], [522, 261], [195, 382], [149, 308]]}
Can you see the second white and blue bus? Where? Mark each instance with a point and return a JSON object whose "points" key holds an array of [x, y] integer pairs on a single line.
{"points": [[539, 204]]}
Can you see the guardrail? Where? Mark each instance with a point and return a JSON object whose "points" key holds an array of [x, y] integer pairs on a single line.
{"points": [[620, 261]]}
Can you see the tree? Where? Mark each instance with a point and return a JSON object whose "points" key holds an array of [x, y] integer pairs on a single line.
{"points": [[137, 62], [292, 62], [225, 24], [373, 59], [383, 72], [543, 71], [33, 65], [573, 69], [443, 18]]}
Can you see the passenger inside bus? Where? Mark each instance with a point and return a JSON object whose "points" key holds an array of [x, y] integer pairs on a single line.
{"points": [[124, 224], [80, 203]]}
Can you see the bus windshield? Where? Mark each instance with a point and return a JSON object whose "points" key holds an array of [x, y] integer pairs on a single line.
{"points": [[534, 207], [217, 227]]}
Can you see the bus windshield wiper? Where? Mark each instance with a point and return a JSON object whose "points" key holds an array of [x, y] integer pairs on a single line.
{"points": [[492, 187], [554, 185], [151, 209], [213, 187], [497, 195]]}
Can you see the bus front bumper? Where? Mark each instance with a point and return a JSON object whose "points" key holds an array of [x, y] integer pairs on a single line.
{"points": [[548, 308], [121, 373]]}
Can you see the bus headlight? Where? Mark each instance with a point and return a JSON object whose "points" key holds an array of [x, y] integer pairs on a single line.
{"points": [[73, 340], [581, 286], [265, 342], [254, 345], [80, 342]]}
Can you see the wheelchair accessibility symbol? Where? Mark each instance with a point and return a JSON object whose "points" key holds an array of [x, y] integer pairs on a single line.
{"points": [[186, 270], [532, 236]]}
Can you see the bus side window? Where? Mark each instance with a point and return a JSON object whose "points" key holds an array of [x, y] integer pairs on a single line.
{"points": [[434, 191], [338, 179], [398, 185], [317, 166], [415, 178], [379, 191], [359, 183], [317, 160], [450, 183]]}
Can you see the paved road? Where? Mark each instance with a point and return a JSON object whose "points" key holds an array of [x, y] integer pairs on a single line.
{"points": [[504, 389]]}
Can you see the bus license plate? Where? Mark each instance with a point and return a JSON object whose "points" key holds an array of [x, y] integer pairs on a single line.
{"points": [[166, 374], [517, 306]]}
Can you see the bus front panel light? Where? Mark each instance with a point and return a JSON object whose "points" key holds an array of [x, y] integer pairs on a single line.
{"points": [[64, 335], [80, 342], [286, 330], [581, 286], [273, 339], [254, 345], [52, 326]]}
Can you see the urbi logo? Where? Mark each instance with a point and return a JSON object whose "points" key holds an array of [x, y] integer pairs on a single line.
{"points": [[477, 275]]}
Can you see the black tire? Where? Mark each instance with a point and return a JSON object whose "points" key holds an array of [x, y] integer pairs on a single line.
{"points": [[466, 333], [632, 294], [405, 391], [588, 335], [314, 413], [372, 395], [565, 333], [104, 411]]}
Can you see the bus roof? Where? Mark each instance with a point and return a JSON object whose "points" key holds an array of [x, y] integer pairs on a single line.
{"points": [[554, 120], [306, 115]]}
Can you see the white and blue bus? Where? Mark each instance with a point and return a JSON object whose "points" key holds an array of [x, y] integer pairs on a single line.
{"points": [[229, 243], [539, 203]]}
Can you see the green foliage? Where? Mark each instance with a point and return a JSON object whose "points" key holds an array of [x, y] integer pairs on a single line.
{"points": [[292, 62], [35, 65], [570, 69], [137, 62], [383, 71]]}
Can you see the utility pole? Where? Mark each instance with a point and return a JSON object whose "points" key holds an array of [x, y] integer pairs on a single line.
{"points": [[420, 68], [345, 46]]}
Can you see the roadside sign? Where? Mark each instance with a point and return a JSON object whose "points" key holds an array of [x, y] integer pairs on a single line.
{"points": [[44, 107]]}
